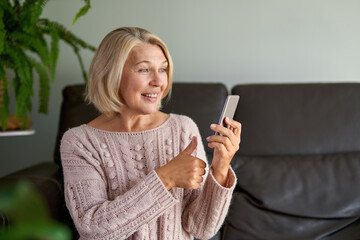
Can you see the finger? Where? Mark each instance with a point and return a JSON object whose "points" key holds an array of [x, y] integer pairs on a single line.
{"points": [[195, 186], [222, 130], [230, 141], [203, 172], [235, 126], [222, 139], [221, 146], [192, 146], [219, 129], [202, 164], [200, 167], [199, 179]]}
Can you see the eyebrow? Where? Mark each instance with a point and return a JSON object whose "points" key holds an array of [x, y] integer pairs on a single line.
{"points": [[145, 61]]}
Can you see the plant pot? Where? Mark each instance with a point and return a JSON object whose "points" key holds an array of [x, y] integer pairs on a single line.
{"points": [[15, 123]]}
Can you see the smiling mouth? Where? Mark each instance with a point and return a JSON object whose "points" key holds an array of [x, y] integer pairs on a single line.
{"points": [[151, 95]]}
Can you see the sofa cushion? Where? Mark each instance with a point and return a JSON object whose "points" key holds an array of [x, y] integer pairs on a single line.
{"points": [[296, 184], [300, 197], [44, 177], [271, 225]]}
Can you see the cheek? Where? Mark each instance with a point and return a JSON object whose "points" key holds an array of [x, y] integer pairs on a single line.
{"points": [[126, 91], [165, 82], [131, 84]]}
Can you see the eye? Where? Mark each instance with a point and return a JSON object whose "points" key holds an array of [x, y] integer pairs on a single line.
{"points": [[143, 70], [162, 69]]}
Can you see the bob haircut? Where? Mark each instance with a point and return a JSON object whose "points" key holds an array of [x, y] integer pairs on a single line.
{"points": [[107, 66]]}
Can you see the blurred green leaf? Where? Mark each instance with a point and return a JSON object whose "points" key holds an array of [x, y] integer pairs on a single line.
{"points": [[23, 203], [28, 214], [4, 102], [2, 30], [82, 11]]}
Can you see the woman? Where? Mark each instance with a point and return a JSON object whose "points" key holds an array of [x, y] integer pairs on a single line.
{"points": [[135, 172]]}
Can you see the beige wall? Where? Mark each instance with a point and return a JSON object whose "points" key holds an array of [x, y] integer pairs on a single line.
{"points": [[230, 41]]}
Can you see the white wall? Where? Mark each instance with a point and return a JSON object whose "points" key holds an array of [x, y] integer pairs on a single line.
{"points": [[230, 41]]}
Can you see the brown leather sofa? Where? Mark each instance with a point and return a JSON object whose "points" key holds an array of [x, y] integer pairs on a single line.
{"points": [[298, 166]]}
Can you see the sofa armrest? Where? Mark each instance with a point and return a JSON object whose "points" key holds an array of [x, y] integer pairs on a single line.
{"points": [[46, 179]]}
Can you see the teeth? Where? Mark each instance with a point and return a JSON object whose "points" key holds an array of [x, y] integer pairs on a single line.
{"points": [[150, 95]]}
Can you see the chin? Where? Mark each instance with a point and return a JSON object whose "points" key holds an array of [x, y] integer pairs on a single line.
{"points": [[150, 111]]}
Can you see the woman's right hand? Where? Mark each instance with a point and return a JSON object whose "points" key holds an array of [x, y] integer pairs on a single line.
{"points": [[184, 171]]}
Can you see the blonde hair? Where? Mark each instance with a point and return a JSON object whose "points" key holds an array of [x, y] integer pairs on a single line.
{"points": [[107, 66]]}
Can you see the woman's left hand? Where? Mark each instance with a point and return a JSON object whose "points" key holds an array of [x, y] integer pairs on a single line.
{"points": [[225, 146]]}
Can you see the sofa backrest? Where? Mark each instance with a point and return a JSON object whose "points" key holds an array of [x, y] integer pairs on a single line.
{"points": [[74, 112], [200, 101], [299, 118]]}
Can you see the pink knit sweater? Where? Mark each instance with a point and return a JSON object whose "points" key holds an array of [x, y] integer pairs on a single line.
{"points": [[113, 192]]}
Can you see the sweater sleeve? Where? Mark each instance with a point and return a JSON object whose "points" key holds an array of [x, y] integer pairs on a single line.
{"points": [[94, 214], [204, 209]]}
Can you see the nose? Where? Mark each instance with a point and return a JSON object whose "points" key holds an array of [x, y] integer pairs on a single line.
{"points": [[157, 79]]}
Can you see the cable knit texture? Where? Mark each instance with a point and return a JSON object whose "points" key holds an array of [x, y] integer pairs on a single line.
{"points": [[113, 192]]}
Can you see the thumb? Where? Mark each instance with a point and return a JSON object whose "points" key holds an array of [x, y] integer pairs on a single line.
{"points": [[192, 146]]}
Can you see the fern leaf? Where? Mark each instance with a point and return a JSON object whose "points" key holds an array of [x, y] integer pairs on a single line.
{"points": [[65, 34], [74, 40], [23, 103], [31, 16], [4, 99], [23, 82], [6, 5], [82, 11], [17, 4], [68, 37], [77, 53], [35, 43], [11, 13], [44, 86], [16, 82], [2, 30], [54, 52], [21, 64]]}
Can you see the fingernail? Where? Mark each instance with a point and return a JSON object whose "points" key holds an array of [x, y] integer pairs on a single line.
{"points": [[212, 125]]}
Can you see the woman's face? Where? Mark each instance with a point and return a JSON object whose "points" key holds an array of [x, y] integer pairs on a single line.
{"points": [[144, 79]]}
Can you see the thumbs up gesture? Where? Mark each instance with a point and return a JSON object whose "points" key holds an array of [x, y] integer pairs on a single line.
{"points": [[184, 171]]}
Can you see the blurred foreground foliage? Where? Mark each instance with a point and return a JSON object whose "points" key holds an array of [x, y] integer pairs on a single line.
{"points": [[28, 215]]}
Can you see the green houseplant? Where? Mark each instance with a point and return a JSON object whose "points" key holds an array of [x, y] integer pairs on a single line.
{"points": [[30, 44]]}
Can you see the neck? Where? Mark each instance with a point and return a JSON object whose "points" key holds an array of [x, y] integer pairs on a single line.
{"points": [[129, 123], [133, 123]]}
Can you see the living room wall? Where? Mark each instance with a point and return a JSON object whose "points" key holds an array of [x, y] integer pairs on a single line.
{"points": [[230, 41]]}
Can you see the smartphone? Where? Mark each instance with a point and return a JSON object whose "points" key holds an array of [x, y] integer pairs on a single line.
{"points": [[228, 109]]}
